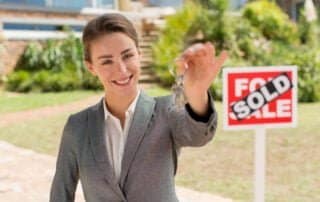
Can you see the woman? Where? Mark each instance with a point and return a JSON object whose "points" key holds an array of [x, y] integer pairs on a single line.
{"points": [[125, 147]]}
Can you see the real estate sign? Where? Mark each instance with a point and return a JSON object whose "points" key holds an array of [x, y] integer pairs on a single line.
{"points": [[260, 96]]}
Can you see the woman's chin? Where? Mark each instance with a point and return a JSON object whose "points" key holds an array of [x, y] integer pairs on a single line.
{"points": [[125, 89]]}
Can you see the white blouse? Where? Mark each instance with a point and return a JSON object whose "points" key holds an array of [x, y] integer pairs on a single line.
{"points": [[116, 137]]}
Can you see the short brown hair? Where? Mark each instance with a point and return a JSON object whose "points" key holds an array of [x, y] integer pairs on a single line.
{"points": [[107, 24]]}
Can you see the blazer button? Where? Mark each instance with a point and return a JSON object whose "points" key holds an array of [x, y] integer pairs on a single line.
{"points": [[211, 128]]}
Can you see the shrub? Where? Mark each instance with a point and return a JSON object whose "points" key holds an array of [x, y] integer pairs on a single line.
{"points": [[308, 62], [19, 81], [172, 41], [55, 65], [309, 32], [90, 82], [271, 20], [60, 82], [29, 60], [213, 23]]}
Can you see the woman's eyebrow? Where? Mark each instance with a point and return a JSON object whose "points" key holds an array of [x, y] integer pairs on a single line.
{"points": [[110, 56], [126, 51], [105, 56]]}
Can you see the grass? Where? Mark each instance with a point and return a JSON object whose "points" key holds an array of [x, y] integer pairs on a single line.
{"points": [[157, 91], [225, 165], [13, 102], [41, 135], [44, 135]]}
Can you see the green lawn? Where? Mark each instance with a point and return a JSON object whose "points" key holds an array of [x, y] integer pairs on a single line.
{"points": [[225, 165], [42, 135], [12, 102]]}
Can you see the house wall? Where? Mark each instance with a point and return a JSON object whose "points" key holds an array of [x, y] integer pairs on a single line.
{"points": [[11, 50]]}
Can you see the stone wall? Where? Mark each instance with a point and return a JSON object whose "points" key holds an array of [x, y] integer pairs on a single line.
{"points": [[9, 55]]}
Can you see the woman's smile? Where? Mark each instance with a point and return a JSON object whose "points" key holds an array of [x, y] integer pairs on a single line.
{"points": [[125, 81]]}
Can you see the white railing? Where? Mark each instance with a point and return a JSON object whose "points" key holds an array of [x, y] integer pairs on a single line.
{"points": [[36, 35]]}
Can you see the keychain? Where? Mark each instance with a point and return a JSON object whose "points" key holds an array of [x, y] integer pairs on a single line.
{"points": [[179, 96]]}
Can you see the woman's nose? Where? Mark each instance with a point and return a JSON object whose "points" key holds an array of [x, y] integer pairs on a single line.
{"points": [[122, 67]]}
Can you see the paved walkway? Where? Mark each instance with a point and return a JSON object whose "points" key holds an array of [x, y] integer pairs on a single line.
{"points": [[26, 176]]}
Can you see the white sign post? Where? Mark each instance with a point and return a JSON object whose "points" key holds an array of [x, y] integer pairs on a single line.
{"points": [[259, 98], [259, 162]]}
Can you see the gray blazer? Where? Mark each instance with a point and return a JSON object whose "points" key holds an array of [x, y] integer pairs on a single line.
{"points": [[149, 162]]}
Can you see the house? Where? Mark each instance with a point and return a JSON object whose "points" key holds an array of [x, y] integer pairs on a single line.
{"points": [[24, 20]]}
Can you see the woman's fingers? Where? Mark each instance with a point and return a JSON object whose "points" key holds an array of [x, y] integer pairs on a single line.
{"points": [[221, 59], [211, 50], [202, 56], [194, 50], [181, 65]]}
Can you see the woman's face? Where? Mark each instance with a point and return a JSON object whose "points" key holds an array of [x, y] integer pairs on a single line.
{"points": [[115, 59]]}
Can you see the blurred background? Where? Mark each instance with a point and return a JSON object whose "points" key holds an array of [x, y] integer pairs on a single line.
{"points": [[43, 80]]}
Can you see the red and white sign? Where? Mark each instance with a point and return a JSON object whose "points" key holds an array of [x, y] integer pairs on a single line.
{"points": [[260, 96]]}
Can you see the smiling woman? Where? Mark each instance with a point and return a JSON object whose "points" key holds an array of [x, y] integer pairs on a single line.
{"points": [[117, 66], [125, 148]]}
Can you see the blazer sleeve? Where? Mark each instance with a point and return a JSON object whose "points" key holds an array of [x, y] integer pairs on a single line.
{"points": [[67, 175], [187, 131]]}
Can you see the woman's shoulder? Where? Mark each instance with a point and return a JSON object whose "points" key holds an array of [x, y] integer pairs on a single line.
{"points": [[163, 101], [83, 114]]}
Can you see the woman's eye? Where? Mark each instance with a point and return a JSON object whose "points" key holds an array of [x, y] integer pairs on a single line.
{"points": [[107, 62], [126, 56]]}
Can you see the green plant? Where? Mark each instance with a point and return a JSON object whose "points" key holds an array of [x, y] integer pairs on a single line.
{"points": [[308, 62], [271, 20], [56, 65], [309, 32], [172, 40], [29, 60], [19, 81], [213, 23], [91, 82], [73, 52]]}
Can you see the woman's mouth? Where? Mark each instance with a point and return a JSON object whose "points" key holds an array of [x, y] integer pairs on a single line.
{"points": [[123, 81]]}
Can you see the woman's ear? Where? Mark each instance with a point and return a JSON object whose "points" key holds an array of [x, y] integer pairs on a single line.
{"points": [[90, 68]]}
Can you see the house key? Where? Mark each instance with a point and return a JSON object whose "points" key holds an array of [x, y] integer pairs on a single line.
{"points": [[179, 96]]}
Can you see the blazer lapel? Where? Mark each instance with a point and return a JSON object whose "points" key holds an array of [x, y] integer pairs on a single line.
{"points": [[141, 120], [98, 144]]}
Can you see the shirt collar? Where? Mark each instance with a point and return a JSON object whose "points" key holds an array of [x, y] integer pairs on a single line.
{"points": [[130, 109]]}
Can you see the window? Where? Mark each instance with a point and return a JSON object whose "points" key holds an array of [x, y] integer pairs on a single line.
{"points": [[104, 3], [164, 3], [59, 4], [40, 27], [74, 4], [25, 2], [36, 2], [13, 1]]}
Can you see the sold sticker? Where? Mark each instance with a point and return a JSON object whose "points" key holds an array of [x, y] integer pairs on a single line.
{"points": [[259, 96]]}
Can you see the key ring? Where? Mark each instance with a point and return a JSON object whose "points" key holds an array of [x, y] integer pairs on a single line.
{"points": [[173, 70]]}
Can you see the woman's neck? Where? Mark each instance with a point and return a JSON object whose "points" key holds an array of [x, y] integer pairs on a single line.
{"points": [[118, 106]]}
